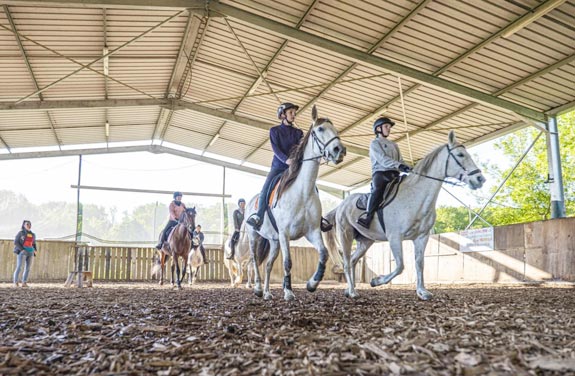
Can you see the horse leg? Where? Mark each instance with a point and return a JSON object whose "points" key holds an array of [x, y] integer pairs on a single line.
{"points": [[346, 240], [360, 250], [162, 263], [419, 245], [250, 272], [274, 251], [195, 274], [177, 262], [239, 273], [258, 279], [317, 242], [284, 244], [395, 242], [184, 268]]}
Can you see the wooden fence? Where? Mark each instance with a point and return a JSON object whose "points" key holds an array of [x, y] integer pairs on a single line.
{"points": [[56, 259]]}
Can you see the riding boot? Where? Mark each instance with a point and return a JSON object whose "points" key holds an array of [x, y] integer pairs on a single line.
{"points": [[161, 243], [232, 249], [372, 204], [325, 226], [203, 252], [255, 221]]}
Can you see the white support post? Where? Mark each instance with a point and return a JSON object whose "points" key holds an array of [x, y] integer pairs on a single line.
{"points": [[555, 177]]}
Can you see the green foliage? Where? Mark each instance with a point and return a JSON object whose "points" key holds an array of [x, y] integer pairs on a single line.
{"points": [[525, 197]]}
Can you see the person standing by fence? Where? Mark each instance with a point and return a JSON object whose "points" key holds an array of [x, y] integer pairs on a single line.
{"points": [[25, 250]]}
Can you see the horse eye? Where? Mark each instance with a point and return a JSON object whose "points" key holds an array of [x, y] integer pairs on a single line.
{"points": [[320, 129], [460, 155]]}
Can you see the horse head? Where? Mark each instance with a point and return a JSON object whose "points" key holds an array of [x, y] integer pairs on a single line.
{"points": [[460, 165], [326, 141], [188, 219]]}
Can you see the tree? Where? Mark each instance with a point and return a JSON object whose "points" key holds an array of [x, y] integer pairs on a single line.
{"points": [[525, 197]]}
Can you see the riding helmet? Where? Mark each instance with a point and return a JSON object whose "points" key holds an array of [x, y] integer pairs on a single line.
{"points": [[241, 200], [284, 107], [381, 121], [176, 194]]}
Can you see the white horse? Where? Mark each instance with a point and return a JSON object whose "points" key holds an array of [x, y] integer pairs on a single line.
{"points": [[242, 258], [410, 216], [195, 260], [297, 210]]}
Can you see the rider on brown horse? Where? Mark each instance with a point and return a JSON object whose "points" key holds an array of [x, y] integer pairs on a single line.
{"points": [[176, 208]]}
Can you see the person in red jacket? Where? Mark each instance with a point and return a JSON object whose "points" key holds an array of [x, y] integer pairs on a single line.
{"points": [[25, 249]]}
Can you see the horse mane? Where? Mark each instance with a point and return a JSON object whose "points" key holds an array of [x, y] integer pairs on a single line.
{"points": [[424, 165], [296, 155]]}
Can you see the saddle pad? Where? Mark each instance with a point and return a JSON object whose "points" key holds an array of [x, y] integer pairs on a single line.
{"points": [[271, 193], [388, 195]]}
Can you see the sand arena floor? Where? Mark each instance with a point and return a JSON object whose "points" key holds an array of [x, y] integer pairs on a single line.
{"points": [[212, 329]]}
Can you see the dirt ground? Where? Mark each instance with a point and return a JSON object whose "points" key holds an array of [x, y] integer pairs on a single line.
{"points": [[212, 329]]}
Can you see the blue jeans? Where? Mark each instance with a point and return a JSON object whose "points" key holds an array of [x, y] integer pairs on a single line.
{"points": [[23, 257]]}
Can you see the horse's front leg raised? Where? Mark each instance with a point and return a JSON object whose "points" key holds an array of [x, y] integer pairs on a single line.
{"points": [[395, 242], [257, 278], [419, 245], [317, 241], [274, 251], [284, 244]]}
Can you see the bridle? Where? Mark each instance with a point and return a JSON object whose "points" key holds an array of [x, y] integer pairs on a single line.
{"points": [[449, 156], [324, 153]]}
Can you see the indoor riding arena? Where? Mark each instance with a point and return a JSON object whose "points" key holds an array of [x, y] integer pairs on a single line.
{"points": [[201, 81]]}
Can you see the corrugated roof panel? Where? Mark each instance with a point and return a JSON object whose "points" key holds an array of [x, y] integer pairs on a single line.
{"points": [[186, 138], [29, 138], [230, 148], [82, 135], [13, 120], [196, 122], [211, 83], [291, 10], [244, 134], [131, 132]]}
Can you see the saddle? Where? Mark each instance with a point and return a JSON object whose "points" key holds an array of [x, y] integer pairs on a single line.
{"points": [[388, 196], [271, 193]]}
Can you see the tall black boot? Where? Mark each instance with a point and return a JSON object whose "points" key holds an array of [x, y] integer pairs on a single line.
{"points": [[203, 252], [232, 250], [161, 242], [372, 204]]}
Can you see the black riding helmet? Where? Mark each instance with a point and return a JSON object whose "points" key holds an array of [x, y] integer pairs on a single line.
{"points": [[284, 107], [176, 194], [381, 121], [241, 200]]}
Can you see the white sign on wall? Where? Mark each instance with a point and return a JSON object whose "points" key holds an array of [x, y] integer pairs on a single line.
{"points": [[477, 240]]}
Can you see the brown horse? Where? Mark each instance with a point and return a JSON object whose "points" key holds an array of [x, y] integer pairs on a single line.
{"points": [[178, 245]]}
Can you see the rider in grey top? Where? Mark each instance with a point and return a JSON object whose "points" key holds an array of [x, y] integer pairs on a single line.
{"points": [[386, 162]]}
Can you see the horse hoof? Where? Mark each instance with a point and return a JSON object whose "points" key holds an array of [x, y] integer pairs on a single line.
{"points": [[311, 287], [288, 296], [373, 283], [268, 296], [424, 295], [258, 293]]}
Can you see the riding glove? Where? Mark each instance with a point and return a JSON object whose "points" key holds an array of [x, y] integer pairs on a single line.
{"points": [[404, 168]]}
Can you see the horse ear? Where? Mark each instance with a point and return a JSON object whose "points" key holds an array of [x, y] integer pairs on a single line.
{"points": [[452, 139], [314, 114]]}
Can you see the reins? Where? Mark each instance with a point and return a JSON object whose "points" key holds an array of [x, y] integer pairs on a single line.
{"points": [[460, 178]]}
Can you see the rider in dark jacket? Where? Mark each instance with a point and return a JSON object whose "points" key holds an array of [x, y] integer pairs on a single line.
{"points": [[238, 220]]}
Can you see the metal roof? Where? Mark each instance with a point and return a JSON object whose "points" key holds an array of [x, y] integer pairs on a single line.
{"points": [[209, 75]]}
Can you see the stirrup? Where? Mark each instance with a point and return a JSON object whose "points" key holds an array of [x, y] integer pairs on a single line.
{"points": [[325, 226], [363, 220], [252, 221]]}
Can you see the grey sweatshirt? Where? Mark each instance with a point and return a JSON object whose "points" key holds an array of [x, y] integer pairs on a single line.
{"points": [[384, 155]]}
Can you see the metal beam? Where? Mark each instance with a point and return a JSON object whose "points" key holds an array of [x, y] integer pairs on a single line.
{"points": [[116, 4], [557, 111], [133, 190], [361, 57], [156, 149]]}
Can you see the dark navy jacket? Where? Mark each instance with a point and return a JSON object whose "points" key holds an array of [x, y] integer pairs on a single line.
{"points": [[283, 138]]}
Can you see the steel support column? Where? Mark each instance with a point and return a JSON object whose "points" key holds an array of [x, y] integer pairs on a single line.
{"points": [[555, 177]]}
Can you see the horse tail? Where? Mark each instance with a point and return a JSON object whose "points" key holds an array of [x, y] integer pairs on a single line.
{"points": [[262, 249], [157, 265], [330, 241]]}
